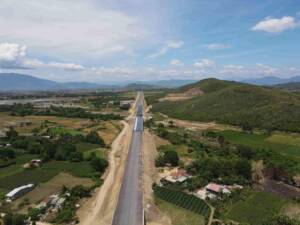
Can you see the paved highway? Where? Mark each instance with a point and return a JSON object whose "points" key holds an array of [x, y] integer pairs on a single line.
{"points": [[129, 210]]}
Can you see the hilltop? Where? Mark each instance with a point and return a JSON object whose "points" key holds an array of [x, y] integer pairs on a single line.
{"points": [[237, 104]]}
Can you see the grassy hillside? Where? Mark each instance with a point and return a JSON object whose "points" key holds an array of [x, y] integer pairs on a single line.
{"points": [[237, 104]]}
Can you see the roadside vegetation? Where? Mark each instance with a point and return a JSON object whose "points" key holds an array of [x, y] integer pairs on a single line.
{"points": [[62, 151]]}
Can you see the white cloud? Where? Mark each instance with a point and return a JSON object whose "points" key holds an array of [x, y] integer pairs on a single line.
{"points": [[267, 70], [298, 13], [71, 28], [11, 55], [14, 56], [204, 64], [271, 25], [176, 62], [217, 46], [167, 46], [66, 66]]}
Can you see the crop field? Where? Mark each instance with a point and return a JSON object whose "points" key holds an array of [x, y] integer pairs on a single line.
{"points": [[45, 173], [179, 216], [288, 144], [183, 200], [256, 207]]}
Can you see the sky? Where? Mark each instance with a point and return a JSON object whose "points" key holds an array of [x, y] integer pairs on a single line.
{"points": [[137, 40]]}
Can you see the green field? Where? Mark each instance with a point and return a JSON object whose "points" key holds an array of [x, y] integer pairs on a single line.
{"points": [[286, 144], [179, 216], [55, 131], [256, 207], [83, 146], [18, 167], [99, 152], [45, 173]]}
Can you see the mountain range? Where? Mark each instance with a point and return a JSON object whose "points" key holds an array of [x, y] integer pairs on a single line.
{"points": [[271, 80], [22, 82]]}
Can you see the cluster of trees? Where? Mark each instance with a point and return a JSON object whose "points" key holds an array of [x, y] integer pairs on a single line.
{"points": [[168, 157], [28, 109], [63, 148], [213, 168], [174, 137], [14, 219]]}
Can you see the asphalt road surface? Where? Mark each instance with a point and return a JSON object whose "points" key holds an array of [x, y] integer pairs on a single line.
{"points": [[129, 210]]}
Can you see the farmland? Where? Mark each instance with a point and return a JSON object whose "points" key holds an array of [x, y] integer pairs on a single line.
{"points": [[255, 207], [45, 173], [179, 216], [183, 200]]}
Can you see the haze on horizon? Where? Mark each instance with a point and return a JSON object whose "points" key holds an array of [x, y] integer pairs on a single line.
{"points": [[101, 40]]}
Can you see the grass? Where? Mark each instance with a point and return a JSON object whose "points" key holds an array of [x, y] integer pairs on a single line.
{"points": [[18, 167], [100, 152], [179, 216], [286, 144], [256, 207], [84, 146], [45, 173], [61, 130]]}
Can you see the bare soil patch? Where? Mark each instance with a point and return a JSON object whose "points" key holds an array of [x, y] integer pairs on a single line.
{"points": [[280, 188], [191, 93]]}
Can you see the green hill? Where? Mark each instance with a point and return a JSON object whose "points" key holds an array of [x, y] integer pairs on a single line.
{"points": [[237, 104]]}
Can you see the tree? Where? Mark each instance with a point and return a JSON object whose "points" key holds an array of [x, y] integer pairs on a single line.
{"points": [[171, 157], [159, 161], [76, 156], [99, 164], [11, 133], [94, 138], [245, 152], [221, 140], [14, 219], [64, 151], [243, 168]]}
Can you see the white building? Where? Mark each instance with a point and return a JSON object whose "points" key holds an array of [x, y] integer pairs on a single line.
{"points": [[18, 192]]}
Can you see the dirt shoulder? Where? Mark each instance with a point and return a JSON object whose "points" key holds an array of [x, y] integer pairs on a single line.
{"points": [[153, 215]]}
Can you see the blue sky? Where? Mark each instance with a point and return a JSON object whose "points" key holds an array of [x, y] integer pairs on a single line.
{"points": [[113, 40]]}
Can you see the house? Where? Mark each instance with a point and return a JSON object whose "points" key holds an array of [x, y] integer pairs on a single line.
{"points": [[177, 176], [36, 162], [18, 192], [125, 104], [213, 190], [33, 163]]}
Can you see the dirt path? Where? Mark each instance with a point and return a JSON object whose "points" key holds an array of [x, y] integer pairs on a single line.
{"points": [[99, 209]]}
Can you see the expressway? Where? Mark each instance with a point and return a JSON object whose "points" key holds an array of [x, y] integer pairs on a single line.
{"points": [[129, 210]]}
